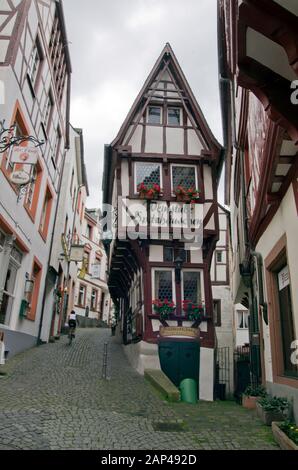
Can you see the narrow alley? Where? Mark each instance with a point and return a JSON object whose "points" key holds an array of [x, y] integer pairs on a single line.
{"points": [[54, 397]]}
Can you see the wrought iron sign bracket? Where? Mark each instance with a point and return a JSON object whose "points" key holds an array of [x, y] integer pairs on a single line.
{"points": [[8, 139]]}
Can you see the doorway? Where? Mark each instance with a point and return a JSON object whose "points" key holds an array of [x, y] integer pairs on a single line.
{"points": [[8, 294]]}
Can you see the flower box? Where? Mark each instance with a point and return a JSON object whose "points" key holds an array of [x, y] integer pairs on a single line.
{"points": [[186, 194], [249, 402], [149, 191], [281, 438], [269, 416], [273, 409], [164, 308]]}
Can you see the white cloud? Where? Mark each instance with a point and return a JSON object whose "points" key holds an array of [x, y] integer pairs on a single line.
{"points": [[113, 47]]}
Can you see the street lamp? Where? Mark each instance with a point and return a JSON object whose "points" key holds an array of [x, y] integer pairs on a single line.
{"points": [[178, 267]]}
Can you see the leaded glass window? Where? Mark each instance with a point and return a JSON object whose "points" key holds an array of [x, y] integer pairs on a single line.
{"points": [[184, 176], [192, 286], [148, 173], [174, 116], [154, 115], [163, 285]]}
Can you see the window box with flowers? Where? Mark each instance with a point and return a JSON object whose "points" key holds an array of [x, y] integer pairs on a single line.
{"points": [[183, 194], [193, 311], [286, 435], [149, 191], [164, 308]]}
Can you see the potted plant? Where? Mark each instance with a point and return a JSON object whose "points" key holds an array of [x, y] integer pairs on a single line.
{"points": [[251, 395], [193, 311], [164, 308], [271, 409], [286, 435], [149, 191], [186, 194]]}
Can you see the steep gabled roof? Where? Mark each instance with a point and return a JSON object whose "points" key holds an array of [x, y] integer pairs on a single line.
{"points": [[168, 61]]}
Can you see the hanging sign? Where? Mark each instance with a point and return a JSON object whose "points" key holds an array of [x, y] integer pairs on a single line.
{"points": [[77, 253], [24, 155], [20, 177], [176, 331], [283, 278]]}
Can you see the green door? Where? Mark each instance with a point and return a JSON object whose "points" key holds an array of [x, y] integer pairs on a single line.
{"points": [[180, 359]]}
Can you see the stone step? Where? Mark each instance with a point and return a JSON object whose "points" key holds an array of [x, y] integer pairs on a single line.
{"points": [[162, 383]]}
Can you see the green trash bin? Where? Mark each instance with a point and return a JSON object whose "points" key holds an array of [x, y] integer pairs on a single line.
{"points": [[189, 391]]}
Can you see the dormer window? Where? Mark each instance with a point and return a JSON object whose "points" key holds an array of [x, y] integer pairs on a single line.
{"points": [[154, 115], [174, 116]]}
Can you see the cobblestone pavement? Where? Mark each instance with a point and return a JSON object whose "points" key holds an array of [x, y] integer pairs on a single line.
{"points": [[54, 398]]}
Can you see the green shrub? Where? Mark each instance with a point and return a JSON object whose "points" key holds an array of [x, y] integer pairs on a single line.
{"points": [[255, 391], [276, 404], [291, 430]]}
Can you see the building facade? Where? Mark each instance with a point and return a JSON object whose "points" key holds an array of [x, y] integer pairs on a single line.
{"points": [[258, 65], [160, 280], [92, 298], [59, 294], [35, 86]]}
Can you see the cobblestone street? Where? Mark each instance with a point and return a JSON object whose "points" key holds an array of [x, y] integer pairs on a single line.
{"points": [[53, 397]]}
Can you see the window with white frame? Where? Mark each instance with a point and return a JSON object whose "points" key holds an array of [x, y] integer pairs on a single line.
{"points": [[174, 116], [185, 176], [147, 173], [93, 299], [192, 286], [47, 111], [154, 115], [163, 284], [219, 256], [242, 319]]}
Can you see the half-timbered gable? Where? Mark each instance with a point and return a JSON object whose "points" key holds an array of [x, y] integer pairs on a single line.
{"points": [[163, 156]]}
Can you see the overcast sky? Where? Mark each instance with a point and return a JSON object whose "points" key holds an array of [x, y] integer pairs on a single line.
{"points": [[114, 45]]}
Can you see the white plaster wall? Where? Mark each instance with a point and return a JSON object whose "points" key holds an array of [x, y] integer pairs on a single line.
{"points": [[142, 356], [175, 141], [208, 182], [125, 181], [206, 380], [194, 145], [155, 253], [136, 139], [154, 139]]}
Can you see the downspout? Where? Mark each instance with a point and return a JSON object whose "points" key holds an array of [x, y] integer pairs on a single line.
{"points": [[262, 302]]}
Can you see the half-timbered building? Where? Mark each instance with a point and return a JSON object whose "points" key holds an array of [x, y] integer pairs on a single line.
{"points": [[258, 66], [164, 162], [35, 74]]}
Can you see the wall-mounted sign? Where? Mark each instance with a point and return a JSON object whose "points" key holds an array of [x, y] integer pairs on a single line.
{"points": [[20, 177], [179, 331], [95, 271], [77, 253], [24, 155], [283, 278]]}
